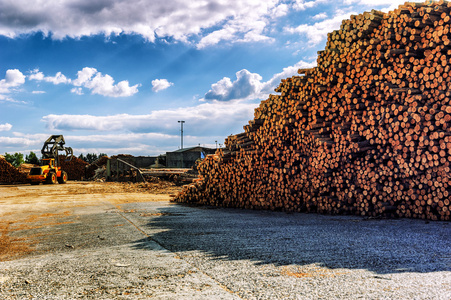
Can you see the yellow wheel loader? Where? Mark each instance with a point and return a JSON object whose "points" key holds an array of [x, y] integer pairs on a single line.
{"points": [[50, 170]]}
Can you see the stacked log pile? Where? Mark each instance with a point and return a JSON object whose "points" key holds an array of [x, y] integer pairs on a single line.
{"points": [[75, 168], [9, 173], [365, 132], [25, 168]]}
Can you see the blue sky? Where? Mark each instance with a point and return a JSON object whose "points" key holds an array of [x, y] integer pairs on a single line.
{"points": [[115, 76]]}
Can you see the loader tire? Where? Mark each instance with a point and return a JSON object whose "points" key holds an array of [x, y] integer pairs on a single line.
{"points": [[63, 178], [51, 178]]}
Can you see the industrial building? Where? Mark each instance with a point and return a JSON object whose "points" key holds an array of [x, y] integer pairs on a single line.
{"points": [[186, 157]]}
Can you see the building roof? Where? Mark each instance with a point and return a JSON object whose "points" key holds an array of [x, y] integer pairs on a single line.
{"points": [[199, 148]]}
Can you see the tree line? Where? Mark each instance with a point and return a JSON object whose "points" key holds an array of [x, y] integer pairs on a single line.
{"points": [[17, 159], [91, 157]]}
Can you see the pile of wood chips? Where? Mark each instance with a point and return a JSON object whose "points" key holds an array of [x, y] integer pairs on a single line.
{"points": [[9, 173], [92, 187], [75, 168], [366, 132]]}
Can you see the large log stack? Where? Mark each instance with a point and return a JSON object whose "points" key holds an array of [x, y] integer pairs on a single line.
{"points": [[365, 132], [75, 168], [9, 173]]}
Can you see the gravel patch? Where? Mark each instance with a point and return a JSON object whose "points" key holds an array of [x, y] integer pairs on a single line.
{"points": [[274, 255], [161, 250]]}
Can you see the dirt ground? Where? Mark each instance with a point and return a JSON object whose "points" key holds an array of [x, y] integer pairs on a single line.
{"points": [[94, 240], [27, 208], [88, 240]]}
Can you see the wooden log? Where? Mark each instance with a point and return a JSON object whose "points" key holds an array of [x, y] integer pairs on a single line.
{"points": [[10, 174]]}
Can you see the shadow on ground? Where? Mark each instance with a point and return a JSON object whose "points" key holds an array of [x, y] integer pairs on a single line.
{"points": [[265, 237]]}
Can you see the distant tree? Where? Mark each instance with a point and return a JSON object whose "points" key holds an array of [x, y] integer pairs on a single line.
{"points": [[9, 158], [91, 157], [32, 158], [15, 159]]}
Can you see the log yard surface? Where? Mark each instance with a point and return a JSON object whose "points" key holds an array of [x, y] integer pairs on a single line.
{"points": [[128, 241]]}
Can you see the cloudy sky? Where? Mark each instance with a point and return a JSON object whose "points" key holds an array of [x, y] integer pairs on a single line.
{"points": [[115, 76]]}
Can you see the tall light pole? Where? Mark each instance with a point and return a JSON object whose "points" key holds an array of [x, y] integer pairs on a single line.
{"points": [[181, 132]]}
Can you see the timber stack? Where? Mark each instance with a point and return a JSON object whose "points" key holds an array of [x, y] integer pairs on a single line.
{"points": [[366, 132], [9, 173], [75, 168]]}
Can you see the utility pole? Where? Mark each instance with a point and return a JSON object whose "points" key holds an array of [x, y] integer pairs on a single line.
{"points": [[181, 133]]}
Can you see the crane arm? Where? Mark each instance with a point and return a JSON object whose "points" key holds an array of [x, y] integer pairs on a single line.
{"points": [[53, 145]]}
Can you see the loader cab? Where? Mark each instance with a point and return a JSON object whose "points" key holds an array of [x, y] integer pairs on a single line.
{"points": [[48, 162]]}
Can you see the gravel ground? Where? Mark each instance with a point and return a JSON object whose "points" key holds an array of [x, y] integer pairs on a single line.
{"points": [[115, 249], [272, 255]]}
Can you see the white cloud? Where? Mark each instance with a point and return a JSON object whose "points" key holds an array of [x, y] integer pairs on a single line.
{"points": [[317, 32], [255, 34], [205, 118], [246, 85], [177, 19], [38, 92], [77, 90], [280, 10], [249, 85], [13, 79], [57, 79], [91, 79], [5, 98], [23, 143], [209, 22], [138, 134], [5, 127], [19, 142], [103, 85], [248, 24], [84, 76], [160, 85], [303, 5], [320, 16], [115, 143], [36, 75], [215, 37]]}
